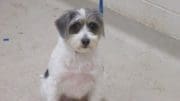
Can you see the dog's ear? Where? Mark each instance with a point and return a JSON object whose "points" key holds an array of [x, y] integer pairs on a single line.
{"points": [[102, 23], [98, 18], [103, 31], [63, 22]]}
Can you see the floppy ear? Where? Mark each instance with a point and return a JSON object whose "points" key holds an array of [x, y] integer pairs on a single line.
{"points": [[99, 17], [63, 22], [103, 31], [102, 23]]}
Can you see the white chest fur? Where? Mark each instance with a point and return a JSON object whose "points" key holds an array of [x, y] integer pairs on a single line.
{"points": [[75, 73]]}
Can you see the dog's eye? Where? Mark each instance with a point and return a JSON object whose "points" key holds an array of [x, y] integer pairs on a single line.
{"points": [[93, 26], [75, 28]]}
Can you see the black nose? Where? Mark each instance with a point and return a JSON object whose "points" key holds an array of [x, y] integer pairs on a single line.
{"points": [[85, 42]]}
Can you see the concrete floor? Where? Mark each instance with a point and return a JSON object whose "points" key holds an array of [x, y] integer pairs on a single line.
{"points": [[140, 64]]}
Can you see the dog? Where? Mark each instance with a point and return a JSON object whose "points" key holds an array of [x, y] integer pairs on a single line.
{"points": [[74, 66]]}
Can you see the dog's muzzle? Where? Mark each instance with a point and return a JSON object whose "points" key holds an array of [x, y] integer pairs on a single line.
{"points": [[85, 42]]}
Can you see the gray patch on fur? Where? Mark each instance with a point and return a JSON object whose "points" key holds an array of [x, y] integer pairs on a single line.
{"points": [[93, 15], [46, 74], [66, 20], [63, 22]]}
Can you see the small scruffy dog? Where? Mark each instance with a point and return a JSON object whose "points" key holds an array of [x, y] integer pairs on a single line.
{"points": [[74, 65]]}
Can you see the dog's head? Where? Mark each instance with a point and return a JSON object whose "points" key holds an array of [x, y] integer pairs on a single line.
{"points": [[81, 29]]}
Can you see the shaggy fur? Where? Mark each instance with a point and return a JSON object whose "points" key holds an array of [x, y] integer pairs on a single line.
{"points": [[74, 67]]}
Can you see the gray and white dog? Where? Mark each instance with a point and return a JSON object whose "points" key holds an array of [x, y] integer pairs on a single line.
{"points": [[74, 66]]}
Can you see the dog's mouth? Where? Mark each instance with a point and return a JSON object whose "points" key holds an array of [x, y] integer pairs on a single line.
{"points": [[83, 49], [85, 46]]}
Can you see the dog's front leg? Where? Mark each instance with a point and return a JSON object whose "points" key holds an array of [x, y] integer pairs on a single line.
{"points": [[52, 95], [49, 88]]}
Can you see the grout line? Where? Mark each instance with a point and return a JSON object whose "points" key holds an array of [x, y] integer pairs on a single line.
{"points": [[163, 8]]}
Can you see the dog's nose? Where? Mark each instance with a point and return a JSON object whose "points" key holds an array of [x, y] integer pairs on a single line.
{"points": [[85, 42]]}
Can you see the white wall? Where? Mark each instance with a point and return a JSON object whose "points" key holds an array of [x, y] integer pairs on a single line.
{"points": [[162, 15]]}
